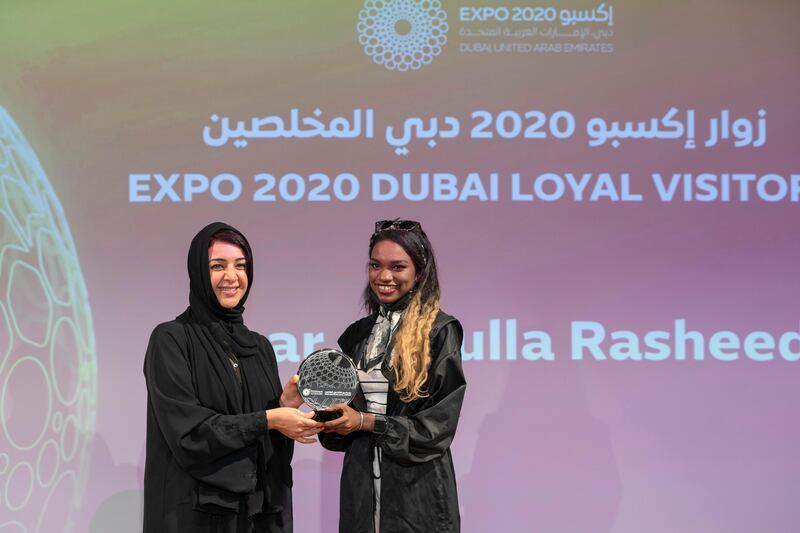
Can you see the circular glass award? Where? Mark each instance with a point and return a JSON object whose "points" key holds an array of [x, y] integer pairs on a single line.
{"points": [[327, 377]]}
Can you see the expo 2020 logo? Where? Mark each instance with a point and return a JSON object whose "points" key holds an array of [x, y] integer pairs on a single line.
{"points": [[402, 34]]}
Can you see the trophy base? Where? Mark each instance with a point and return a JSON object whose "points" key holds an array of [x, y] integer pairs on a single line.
{"points": [[327, 416]]}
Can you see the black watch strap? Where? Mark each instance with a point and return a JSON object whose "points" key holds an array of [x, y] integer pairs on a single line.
{"points": [[380, 425]]}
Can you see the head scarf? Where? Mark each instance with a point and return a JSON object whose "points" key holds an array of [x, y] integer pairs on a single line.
{"points": [[226, 325]]}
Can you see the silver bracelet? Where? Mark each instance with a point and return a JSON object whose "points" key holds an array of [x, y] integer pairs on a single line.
{"points": [[361, 422]]}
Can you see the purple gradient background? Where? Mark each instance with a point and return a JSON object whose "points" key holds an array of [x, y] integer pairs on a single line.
{"points": [[542, 446]]}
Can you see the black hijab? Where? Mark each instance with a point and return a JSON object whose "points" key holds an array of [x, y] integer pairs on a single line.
{"points": [[226, 325]]}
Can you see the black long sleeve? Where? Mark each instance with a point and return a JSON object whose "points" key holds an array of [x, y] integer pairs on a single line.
{"points": [[212, 447]]}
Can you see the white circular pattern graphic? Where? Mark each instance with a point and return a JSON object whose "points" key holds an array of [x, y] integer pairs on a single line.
{"points": [[58, 420], [48, 369], [402, 34], [12, 527], [58, 504], [26, 403], [68, 439], [19, 486], [47, 463]]}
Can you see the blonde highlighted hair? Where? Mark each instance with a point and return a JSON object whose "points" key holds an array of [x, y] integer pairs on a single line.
{"points": [[411, 357]]}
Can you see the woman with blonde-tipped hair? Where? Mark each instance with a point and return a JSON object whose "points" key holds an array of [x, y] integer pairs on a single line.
{"points": [[398, 472]]}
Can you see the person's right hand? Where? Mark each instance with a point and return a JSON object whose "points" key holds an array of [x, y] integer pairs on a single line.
{"points": [[290, 397], [294, 423]]}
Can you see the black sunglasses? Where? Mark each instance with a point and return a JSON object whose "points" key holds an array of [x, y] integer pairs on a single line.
{"points": [[403, 225]]}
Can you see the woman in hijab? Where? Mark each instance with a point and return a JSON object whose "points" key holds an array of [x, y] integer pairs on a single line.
{"points": [[220, 427], [398, 473]]}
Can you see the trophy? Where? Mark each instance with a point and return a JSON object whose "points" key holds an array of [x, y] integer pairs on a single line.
{"points": [[327, 377]]}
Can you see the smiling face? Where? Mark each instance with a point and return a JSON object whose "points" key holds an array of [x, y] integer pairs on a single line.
{"points": [[228, 267], [391, 271]]}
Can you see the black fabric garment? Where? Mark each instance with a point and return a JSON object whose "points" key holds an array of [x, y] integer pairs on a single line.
{"points": [[418, 482], [212, 464]]}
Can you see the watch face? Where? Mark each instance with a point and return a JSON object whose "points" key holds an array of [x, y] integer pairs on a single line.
{"points": [[380, 424]]}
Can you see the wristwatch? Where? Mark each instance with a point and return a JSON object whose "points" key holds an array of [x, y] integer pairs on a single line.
{"points": [[380, 424]]}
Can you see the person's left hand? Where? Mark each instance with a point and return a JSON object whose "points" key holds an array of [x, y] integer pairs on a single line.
{"points": [[351, 420], [290, 397]]}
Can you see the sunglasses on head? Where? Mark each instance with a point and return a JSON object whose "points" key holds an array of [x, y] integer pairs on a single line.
{"points": [[412, 226], [398, 224]]}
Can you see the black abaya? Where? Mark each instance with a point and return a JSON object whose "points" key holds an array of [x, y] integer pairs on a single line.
{"points": [[418, 482], [212, 464]]}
